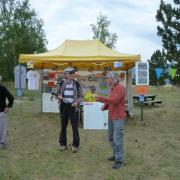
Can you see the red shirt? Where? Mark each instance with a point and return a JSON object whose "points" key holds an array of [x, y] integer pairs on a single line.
{"points": [[115, 103]]}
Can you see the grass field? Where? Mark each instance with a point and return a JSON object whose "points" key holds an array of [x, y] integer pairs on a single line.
{"points": [[152, 148]]}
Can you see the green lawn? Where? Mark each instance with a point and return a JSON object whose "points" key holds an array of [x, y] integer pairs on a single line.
{"points": [[152, 148]]}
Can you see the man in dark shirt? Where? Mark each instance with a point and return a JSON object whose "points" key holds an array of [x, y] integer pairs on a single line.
{"points": [[4, 108]]}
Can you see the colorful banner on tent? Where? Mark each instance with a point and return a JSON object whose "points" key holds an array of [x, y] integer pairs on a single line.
{"points": [[173, 72], [158, 72]]}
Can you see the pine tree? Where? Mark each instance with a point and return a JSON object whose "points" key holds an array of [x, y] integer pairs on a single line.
{"points": [[157, 60], [169, 30]]}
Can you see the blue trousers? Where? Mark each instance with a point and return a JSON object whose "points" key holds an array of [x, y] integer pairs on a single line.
{"points": [[116, 138]]}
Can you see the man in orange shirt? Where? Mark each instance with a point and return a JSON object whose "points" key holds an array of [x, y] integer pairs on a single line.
{"points": [[115, 103]]}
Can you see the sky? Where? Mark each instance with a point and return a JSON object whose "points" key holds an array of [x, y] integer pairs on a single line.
{"points": [[132, 20]]}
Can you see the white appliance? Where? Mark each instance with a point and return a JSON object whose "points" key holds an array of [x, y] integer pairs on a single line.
{"points": [[94, 118]]}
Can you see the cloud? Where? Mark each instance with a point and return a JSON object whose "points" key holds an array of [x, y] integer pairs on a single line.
{"points": [[46, 9], [132, 20]]}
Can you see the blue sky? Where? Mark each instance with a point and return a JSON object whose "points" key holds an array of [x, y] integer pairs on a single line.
{"points": [[132, 20]]}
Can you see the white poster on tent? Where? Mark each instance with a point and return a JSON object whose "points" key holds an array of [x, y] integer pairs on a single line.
{"points": [[94, 118], [142, 73]]}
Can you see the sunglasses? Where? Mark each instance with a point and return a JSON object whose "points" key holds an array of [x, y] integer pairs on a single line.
{"points": [[71, 72]]}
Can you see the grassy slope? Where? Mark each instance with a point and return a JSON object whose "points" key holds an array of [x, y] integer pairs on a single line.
{"points": [[151, 148]]}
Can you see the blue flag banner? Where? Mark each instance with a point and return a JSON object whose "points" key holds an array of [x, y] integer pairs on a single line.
{"points": [[158, 72]]}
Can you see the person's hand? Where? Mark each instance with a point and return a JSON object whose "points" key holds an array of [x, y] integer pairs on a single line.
{"points": [[75, 104], [6, 110], [60, 97], [100, 99], [97, 98], [102, 107], [95, 95]]}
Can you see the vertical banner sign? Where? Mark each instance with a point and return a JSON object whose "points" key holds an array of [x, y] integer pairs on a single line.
{"points": [[158, 72], [173, 72], [142, 73]]}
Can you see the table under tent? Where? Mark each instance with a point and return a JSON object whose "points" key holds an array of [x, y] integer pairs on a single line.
{"points": [[89, 56]]}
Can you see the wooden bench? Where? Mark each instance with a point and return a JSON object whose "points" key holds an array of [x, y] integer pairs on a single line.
{"points": [[149, 102], [153, 102]]}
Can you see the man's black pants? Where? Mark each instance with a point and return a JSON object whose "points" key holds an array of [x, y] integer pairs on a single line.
{"points": [[68, 112]]}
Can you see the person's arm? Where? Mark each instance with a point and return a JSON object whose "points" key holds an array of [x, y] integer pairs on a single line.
{"points": [[10, 98], [113, 100], [105, 107], [80, 94], [59, 87]]}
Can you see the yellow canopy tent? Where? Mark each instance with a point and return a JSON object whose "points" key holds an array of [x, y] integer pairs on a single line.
{"points": [[85, 55], [82, 54]]}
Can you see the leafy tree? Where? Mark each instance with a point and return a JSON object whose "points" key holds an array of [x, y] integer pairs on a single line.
{"points": [[101, 31], [168, 16], [21, 31], [157, 60]]}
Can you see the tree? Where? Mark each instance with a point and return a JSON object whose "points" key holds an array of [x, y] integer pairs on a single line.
{"points": [[157, 60], [102, 33], [169, 30], [21, 31]]}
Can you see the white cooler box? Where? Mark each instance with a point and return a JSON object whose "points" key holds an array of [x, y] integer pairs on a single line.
{"points": [[94, 118]]}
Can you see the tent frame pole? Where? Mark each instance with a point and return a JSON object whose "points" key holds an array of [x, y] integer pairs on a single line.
{"points": [[20, 103], [42, 75]]}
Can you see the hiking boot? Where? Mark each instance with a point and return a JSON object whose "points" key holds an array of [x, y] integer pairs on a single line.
{"points": [[74, 149], [111, 158], [62, 148], [117, 165]]}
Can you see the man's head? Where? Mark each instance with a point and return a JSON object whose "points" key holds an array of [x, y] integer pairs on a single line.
{"points": [[69, 73], [111, 79]]}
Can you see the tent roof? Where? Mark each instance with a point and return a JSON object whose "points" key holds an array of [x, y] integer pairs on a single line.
{"points": [[79, 53]]}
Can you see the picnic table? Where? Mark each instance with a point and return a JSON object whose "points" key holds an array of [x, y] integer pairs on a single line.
{"points": [[148, 99]]}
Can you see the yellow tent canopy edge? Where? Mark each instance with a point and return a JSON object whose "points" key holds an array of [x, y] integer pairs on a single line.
{"points": [[79, 53]]}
